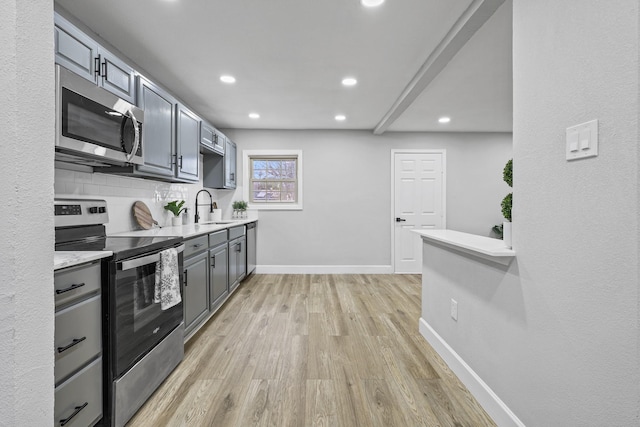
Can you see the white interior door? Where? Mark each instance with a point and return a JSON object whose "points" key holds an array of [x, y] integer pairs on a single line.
{"points": [[419, 203]]}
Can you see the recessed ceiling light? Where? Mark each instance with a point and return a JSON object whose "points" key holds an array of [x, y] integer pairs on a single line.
{"points": [[341, 117], [444, 119], [227, 79], [371, 3], [254, 115], [349, 81]]}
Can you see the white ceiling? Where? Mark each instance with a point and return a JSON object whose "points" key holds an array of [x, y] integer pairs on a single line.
{"points": [[289, 57]]}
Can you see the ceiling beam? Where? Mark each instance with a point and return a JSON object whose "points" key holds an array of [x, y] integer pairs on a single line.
{"points": [[465, 27]]}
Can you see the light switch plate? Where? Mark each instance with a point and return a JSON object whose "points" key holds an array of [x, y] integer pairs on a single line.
{"points": [[582, 140]]}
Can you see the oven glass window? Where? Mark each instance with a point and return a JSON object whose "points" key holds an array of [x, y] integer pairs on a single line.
{"points": [[138, 323]]}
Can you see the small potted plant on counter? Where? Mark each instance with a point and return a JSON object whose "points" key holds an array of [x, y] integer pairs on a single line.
{"points": [[176, 209], [239, 209], [507, 203]]}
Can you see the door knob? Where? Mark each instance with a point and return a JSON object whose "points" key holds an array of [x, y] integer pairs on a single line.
{"points": [[400, 219]]}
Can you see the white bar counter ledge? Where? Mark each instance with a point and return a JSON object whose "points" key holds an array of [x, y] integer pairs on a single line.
{"points": [[472, 244]]}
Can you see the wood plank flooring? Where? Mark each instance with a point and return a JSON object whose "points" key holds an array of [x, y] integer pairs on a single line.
{"points": [[314, 350]]}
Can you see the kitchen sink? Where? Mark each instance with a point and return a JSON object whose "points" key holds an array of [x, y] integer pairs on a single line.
{"points": [[216, 222]]}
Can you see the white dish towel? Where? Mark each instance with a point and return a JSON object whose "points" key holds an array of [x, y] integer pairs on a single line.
{"points": [[167, 289]]}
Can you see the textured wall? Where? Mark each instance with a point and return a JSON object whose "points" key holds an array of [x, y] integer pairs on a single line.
{"points": [[347, 192], [556, 334], [26, 256]]}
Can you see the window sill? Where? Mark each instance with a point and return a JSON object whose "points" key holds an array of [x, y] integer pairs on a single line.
{"points": [[275, 207]]}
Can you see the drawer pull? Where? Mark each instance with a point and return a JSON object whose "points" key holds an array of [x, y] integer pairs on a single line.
{"points": [[75, 341], [198, 245], [70, 288], [75, 412]]}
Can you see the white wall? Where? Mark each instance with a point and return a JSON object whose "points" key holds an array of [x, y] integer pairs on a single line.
{"points": [[26, 255], [346, 219], [556, 334]]}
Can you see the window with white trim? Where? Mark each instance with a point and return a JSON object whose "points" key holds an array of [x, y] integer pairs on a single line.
{"points": [[273, 179]]}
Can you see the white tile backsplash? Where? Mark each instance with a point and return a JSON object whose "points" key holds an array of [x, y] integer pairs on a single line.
{"points": [[122, 192]]}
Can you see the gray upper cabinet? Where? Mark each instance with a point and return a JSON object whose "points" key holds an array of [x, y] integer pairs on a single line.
{"points": [[159, 129], [81, 54], [230, 164], [220, 172], [75, 50], [210, 141], [188, 143], [116, 76]]}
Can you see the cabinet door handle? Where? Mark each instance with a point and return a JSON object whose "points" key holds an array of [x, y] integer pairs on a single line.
{"points": [[185, 277], [400, 219], [213, 261], [76, 411], [70, 288], [233, 176], [180, 162], [104, 69], [96, 65], [73, 343], [239, 247]]}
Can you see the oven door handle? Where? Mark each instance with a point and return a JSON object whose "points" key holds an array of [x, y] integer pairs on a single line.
{"points": [[145, 260]]}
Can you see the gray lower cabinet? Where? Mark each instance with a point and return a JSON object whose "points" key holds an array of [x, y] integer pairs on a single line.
{"points": [[237, 261], [81, 54], [195, 289], [78, 345], [218, 275]]}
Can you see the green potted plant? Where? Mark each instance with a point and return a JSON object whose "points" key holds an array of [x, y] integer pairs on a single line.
{"points": [[507, 203], [239, 209], [176, 209]]}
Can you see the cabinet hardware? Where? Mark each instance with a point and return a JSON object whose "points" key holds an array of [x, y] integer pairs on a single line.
{"points": [[76, 411], [180, 162], [400, 219], [198, 245], [70, 288], [213, 261], [73, 343], [104, 69], [185, 277], [233, 176], [96, 65]]}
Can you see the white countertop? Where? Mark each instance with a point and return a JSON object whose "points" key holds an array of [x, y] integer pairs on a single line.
{"points": [[62, 259], [184, 231], [486, 247]]}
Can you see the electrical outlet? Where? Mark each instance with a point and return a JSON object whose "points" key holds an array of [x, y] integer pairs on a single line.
{"points": [[454, 309]]}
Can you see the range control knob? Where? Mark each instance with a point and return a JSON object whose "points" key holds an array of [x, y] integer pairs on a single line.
{"points": [[93, 209], [102, 209]]}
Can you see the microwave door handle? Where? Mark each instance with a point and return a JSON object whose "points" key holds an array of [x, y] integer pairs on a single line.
{"points": [[136, 135], [145, 260]]}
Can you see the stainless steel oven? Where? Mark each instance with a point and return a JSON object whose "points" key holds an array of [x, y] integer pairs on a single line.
{"points": [[145, 343], [93, 126], [142, 343]]}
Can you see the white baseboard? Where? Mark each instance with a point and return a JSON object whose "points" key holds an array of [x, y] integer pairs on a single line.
{"points": [[490, 401], [324, 269]]}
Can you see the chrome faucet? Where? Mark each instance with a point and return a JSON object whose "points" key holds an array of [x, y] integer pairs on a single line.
{"points": [[210, 197]]}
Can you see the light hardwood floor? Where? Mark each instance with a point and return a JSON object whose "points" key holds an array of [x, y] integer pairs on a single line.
{"points": [[314, 350]]}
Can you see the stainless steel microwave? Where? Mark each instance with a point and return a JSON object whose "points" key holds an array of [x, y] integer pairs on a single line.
{"points": [[93, 126]]}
